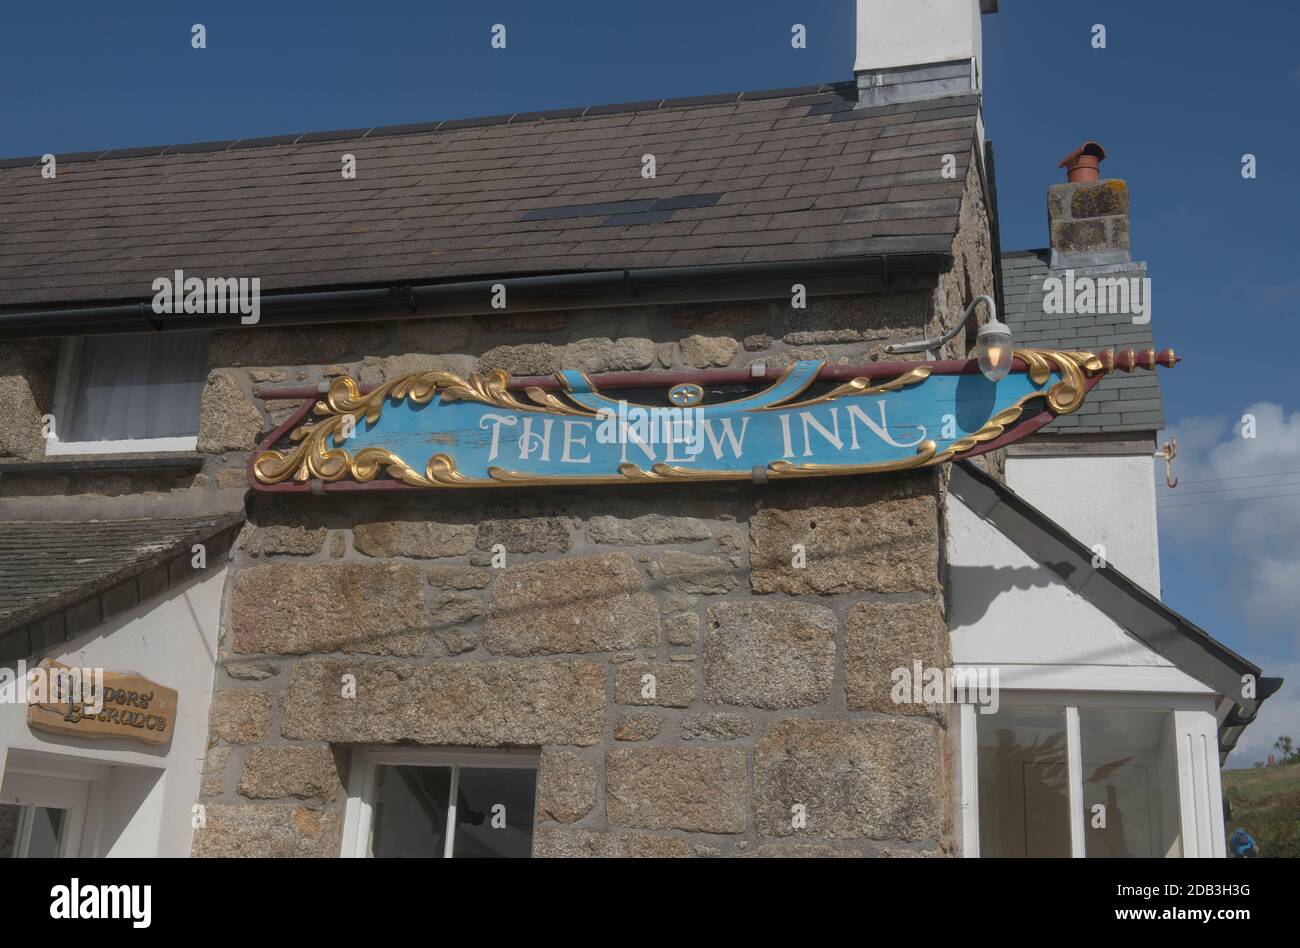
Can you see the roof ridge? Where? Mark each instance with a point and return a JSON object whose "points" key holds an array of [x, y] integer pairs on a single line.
{"points": [[388, 131]]}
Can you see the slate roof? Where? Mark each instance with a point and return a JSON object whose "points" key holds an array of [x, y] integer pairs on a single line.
{"points": [[1122, 402], [46, 566], [767, 176]]}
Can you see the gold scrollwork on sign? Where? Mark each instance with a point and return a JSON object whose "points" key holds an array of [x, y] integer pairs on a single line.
{"points": [[1067, 395], [1063, 398], [860, 386], [312, 457]]}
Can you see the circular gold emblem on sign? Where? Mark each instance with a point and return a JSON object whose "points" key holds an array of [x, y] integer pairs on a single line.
{"points": [[686, 394]]}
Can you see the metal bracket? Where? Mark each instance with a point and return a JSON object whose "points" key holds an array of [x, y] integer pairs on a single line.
{"points": [[929, 344], [405, 296], [1169, 452], [150, 317]]}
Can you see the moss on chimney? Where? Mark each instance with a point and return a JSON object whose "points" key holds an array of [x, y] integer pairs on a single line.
{"points": [[1102, 199]]}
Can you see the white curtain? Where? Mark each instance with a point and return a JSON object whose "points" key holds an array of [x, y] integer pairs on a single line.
{"points": [[136, 385]]}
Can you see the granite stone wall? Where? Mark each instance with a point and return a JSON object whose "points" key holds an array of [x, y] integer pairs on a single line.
{"points": [[771, 682]]}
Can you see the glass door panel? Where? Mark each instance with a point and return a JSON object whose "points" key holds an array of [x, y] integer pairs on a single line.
{"points": [[1130, 783], [1024, 786]]}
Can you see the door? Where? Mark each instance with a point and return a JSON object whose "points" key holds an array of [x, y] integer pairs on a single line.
{"points": [[42, 817]]}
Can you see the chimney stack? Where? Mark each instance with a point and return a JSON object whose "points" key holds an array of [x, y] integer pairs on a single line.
{"points": [[909, 50], [1088, 217]]}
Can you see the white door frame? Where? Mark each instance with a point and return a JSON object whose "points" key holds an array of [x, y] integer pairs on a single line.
{"points": [[29, 792], [78, 786]]}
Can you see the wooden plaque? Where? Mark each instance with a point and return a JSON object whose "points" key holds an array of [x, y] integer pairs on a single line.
{"points": [[132, 707]]}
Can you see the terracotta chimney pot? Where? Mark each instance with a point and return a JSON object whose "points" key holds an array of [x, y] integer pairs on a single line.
{"points": [[1082, 164]]}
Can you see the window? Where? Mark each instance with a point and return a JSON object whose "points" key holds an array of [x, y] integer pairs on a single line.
{"points": [[1130, 770], [129, 392], [1075, 781], [1024, 783], [410, 803]]}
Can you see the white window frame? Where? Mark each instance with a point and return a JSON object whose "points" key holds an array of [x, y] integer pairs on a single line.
{"points": [[1199, 794], [358, 816], [69, 363], [76, 786]]}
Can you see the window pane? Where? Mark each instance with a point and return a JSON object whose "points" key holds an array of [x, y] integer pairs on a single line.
{"points": [[10, 814], [47, 832], [410, 812], [1130, 767], [135, 385], [494, 813], [1024, 799]]}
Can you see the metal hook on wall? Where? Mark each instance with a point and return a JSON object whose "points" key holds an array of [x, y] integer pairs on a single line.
{"points": [[1169, 452]]}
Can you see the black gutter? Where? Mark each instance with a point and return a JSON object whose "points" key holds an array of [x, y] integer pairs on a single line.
{"points": [[1235, 722], [720, 283]]}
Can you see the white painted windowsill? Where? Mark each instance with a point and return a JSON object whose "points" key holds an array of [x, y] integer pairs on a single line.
{"points": [[54, 448]]}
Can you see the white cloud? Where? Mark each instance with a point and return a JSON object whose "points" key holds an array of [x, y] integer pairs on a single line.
{"points": [[1221, 506]]}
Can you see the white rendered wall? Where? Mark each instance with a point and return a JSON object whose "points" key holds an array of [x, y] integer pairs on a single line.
{"points": [[1109, 500], [149, 792], [895, 33], [1009, 611]]}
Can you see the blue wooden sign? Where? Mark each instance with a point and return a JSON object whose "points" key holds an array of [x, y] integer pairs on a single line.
{"points": [[435, 429]]}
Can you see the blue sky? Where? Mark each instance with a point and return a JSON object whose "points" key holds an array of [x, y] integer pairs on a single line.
{"points": [[1182, 91]]}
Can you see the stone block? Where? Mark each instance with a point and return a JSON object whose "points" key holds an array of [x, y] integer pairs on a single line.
{"points": [[228, 420], [876, 535], [581, 604], [880, 637], [308, 773], [696, 789], [872, 779], [596, 355], [268, 831], [240, 716], [694, 573], [466, 704], [422, 539], [646, 530], [638, 726], [769, 654], [655, 683], [295, 608], [566, 787]]}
